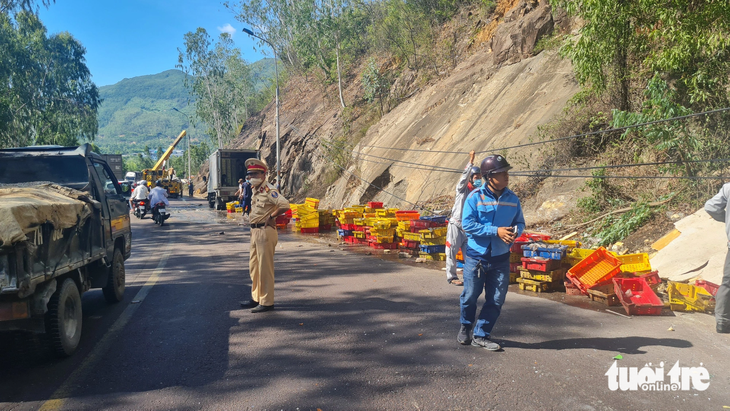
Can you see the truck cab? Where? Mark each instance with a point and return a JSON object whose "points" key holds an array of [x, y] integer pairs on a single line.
{"points": [[43, 275]]}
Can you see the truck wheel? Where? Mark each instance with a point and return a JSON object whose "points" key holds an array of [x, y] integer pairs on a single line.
{"points": [[114, 290], [219, 204], [63, 319], [211, 204]]}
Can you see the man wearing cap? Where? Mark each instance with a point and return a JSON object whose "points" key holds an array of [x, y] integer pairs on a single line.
{"points": [[266, 205], [492, 219]]}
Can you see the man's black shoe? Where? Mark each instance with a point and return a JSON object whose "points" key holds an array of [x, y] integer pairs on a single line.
{"points": [[723, 329], [249, 304], [464, 337], [262, 308]]}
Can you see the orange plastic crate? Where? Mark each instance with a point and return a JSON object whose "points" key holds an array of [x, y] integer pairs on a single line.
{"points": [[599, 267]]}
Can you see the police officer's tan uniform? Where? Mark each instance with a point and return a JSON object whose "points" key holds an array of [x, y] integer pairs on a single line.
{"points": [[265, 201]]}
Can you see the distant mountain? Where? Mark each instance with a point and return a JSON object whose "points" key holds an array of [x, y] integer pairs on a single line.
{"points": [[139, 111]]}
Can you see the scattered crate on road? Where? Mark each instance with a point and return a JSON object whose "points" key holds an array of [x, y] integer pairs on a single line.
{"points": [[540, 264], [598, 267], [605, 294], [535, 286], [687, 297], [637, 297], [549, 276]]}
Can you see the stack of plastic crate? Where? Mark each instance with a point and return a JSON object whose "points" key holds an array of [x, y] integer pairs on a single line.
{"points": [[541, 266], [326, 220], [404, 218], [231, 206], [382, 234], [283, 220], [308, 216], [433, 243]]}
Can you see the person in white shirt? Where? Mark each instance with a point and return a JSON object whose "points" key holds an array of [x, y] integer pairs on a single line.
{"points": [[140, 192], [158, 195]]}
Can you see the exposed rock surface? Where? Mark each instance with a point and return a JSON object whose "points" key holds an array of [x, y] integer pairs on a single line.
{"points": [[492, 99]]}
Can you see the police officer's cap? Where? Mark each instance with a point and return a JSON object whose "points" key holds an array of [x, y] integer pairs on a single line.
{"points": [[254, 165]]}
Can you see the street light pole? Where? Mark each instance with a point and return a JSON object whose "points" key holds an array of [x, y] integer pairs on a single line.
{"points": [[276, 72]]}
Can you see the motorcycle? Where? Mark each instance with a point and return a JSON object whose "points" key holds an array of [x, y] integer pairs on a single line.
{"points": [[140, 208], [160, 214]]}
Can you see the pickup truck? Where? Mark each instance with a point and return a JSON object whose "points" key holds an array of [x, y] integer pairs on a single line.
{"points": [[64, 229]]}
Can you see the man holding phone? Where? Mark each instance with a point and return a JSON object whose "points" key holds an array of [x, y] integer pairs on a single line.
{"points": [[492, 219]]}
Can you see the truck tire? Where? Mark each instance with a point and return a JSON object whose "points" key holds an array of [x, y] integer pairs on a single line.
{"points": [[219, 205], [114, 290], [63, 319]]}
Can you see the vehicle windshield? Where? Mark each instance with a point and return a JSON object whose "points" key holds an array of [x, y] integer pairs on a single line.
{"points": [[62, 170]]}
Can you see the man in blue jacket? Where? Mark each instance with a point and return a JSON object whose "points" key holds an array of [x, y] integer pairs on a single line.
{"points": [[492, 219]]}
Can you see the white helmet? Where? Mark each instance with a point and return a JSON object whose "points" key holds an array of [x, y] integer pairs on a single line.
{"points": [[141, 182]]}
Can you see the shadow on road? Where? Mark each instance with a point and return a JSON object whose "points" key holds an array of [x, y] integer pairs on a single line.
{"points": [[624, 345]]}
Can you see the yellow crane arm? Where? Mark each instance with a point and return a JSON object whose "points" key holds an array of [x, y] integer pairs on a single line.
{"points": [[165, 156]]}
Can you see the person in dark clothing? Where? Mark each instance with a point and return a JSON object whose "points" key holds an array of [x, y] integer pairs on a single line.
{"points": [[190, 188], [247, 195]]}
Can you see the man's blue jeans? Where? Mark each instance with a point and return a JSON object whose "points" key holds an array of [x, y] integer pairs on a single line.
{"points": [[493, 279]]}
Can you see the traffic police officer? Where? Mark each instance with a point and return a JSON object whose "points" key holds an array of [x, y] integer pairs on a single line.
{"points": [[266, 204]]}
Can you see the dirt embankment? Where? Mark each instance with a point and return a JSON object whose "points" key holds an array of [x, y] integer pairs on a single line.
{"points": [[496, 96]]}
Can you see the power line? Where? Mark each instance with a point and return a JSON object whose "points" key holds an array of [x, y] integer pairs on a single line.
{"points": [[561, 138], [522, 174]]}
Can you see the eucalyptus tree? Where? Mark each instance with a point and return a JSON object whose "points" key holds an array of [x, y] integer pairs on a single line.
{"points": [[219, 79]]}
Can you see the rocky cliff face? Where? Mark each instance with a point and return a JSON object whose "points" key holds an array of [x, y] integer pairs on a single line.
{"points": [[495, 98]]}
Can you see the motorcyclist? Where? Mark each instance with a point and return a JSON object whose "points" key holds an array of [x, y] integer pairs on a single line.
{"points": [[140, 193], [158, 195]]}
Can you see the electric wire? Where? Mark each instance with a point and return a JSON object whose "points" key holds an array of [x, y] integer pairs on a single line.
{"points": [[610, 130]]}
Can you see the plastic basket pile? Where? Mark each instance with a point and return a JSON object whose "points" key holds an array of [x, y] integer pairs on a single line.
{"points": [[307, 216]]}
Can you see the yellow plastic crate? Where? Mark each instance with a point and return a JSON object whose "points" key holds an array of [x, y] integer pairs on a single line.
{"points": [[382, 231], [370, 215], [433, 256], [312, 202], [404, 225], [433, 241], [358, 234], [309, 224], [635, 263], [370, 221], [515, 258], [433, 232], [571, 244], [380, 223], [686, 297], [383, 239], [358, 221], [384, 213], [412, 236]]}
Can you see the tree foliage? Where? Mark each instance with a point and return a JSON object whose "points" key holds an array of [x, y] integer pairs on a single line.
{"points": [[46, 92], [220, 80], [625, 41]]}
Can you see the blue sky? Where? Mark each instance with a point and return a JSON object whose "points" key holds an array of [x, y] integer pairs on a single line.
{"points": [[130, 38]]}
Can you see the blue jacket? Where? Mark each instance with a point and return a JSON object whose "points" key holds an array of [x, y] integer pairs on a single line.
{"points": [[484, 213]]}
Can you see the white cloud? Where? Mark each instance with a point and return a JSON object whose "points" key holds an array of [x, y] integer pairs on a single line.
{"points": [[227, 29]]}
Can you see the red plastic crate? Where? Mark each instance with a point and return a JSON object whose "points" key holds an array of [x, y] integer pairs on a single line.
{"points": [[312, 230], [348, 226], [539, 264], [600, 266], [652, 278], [359, 228], [325, 227], [360, 241], [384, 246], [516, 247], [637, 297], [409, 243], [375, 204], [514, 267], [708, 286]]}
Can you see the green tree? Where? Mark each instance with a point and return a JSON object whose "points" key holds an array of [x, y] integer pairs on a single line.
{"points": [[624, 40], [46, 92], [220, 81]]}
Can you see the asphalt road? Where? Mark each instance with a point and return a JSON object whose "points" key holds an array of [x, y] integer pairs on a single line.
{"points": [[350, 331]]}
